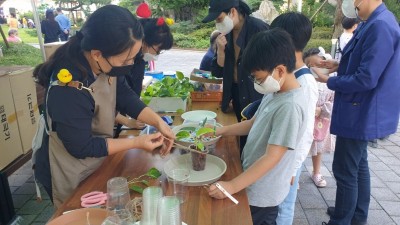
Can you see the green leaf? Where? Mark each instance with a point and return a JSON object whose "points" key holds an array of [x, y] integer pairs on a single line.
{"points": [[182, 134], [180, 111], [188, 128], [153, 173], [200, 146], [204, 130], [137, 189], [145, 182], [179, 75], [146, 99]]}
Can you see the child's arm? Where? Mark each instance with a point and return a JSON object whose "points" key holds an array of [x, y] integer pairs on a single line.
{"points": [[238, 129], [268, 161], [326, 108]]}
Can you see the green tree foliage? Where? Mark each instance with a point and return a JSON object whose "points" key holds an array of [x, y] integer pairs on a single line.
{"points": [[324, 18], [130, 4], [394, 7], [182, 9]]}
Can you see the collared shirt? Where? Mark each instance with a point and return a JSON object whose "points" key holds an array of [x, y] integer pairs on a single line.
{"points": [[63, 21]]}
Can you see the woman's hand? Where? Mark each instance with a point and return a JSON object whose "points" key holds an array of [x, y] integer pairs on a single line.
{"points": [[214, 192], [330, 64], [221, 43], [169, 140], [149, 142]]}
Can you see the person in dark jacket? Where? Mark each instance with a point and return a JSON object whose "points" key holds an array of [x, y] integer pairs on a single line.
{"points": [[366, 103], [206, 62], [157, 38], [50, 28], [237, 28]]}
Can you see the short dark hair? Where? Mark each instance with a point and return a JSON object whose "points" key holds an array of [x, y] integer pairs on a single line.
{"points": [[348, 23], [123, 30], [58, 9], [50, 14], [310, 52], [12, 31], [268, 49], [155, 34], [297, 25]]}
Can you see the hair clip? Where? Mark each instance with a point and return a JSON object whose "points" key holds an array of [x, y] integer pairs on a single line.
{"points": [[160, 21], [143, 10], [169, 21]]}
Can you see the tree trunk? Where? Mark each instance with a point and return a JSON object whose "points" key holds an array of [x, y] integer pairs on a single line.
{"points": [[338, 29]]}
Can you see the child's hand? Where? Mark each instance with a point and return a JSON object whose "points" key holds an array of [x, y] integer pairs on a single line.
{"points": [[318, 111], [214, 192]]}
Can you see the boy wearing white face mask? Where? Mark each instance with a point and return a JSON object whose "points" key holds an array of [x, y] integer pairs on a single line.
{"points": [[275, 129]]}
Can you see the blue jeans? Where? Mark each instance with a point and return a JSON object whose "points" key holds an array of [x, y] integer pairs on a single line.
{"points": [[350, 168], [286, 208]]}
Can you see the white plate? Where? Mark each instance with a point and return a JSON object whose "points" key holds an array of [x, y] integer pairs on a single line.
{"points": [[198, 115], [215, 168]]}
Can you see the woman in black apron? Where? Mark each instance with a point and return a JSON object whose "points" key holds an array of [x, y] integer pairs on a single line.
{"points": [[85, 81]]}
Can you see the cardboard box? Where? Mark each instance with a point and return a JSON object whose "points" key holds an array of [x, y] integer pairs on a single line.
{"points": [[202, 76], [10, 141], [23, 90], [50, 48], [167, 104]]}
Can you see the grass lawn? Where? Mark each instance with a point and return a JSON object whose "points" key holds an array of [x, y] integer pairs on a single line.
{"points": [[27, 35], [20, 54]]}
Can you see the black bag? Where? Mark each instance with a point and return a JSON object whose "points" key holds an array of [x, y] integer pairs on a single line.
{"points": [[249, 111]]}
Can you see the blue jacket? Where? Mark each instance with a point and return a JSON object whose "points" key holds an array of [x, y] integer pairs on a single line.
{"points": [[367, 99]]}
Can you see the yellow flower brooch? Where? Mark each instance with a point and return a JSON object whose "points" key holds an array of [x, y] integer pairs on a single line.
{"points": [[64, 76]]}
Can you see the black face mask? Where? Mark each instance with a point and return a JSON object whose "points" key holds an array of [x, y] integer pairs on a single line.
{"points": [[117, 71]]}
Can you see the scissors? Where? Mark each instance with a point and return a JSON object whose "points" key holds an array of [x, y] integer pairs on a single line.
{"points": [[94, 198]]}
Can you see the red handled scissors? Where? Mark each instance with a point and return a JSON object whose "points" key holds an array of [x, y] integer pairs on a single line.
{"points": [[94, 198]]}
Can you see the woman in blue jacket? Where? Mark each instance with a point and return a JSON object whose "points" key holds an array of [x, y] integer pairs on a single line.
{"points": [[366, 103]]}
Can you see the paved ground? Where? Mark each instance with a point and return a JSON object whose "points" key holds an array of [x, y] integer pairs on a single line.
{"points": [[384, 163]]}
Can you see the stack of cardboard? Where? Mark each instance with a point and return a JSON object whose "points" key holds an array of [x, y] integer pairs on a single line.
{"points": [[18, 113]]}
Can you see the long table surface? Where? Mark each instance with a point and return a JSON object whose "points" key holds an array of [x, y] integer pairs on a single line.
{"points": [[199, 209]]}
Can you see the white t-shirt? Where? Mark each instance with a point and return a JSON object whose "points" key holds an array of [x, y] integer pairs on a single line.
{"points": [[343, 40]]}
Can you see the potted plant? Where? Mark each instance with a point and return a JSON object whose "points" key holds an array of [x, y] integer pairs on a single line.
{"points": [[200, 155], [168, 95]]}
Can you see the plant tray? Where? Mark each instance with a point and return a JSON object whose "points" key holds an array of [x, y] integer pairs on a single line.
{"points": [[167, 104]]}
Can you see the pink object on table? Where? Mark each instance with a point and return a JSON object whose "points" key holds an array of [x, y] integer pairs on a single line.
{"points": [[94, 198]]}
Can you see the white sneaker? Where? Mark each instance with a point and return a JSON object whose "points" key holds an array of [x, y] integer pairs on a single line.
{"points": [[319, 180]]}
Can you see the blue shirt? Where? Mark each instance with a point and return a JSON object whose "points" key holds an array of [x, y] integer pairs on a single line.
{"points": [[63, 21], [366, 104]]}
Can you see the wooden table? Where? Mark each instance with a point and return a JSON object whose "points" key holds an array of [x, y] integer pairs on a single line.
{"points": [[200, 208]]}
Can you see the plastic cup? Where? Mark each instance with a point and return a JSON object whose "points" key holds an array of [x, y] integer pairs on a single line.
{"points": [[178, 180], [118, 194], [169, 212], [151, 197]]}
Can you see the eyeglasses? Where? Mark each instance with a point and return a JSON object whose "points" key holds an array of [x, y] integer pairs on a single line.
{"points": [[157, 52], [254, 80]]}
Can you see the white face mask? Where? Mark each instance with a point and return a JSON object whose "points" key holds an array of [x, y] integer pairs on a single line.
{"points": [[226, 26], [149, 57], [349, 10], [270, 85]]}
